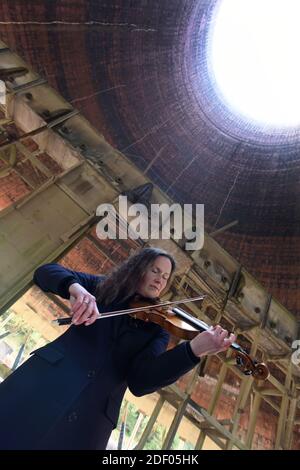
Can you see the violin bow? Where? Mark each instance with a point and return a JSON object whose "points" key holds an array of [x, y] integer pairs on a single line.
{"points": [[68, 320]]}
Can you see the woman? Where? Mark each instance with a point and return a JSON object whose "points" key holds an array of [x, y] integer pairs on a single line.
{"points": [[68, 394]]}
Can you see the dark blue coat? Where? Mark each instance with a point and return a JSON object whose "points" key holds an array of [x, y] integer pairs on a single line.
{"points": [[68, 394]]}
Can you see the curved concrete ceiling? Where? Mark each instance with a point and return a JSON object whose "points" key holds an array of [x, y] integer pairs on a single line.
{"points": [[137, 71]]}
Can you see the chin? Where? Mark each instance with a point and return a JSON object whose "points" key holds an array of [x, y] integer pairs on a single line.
{"points": [[152, 294]]}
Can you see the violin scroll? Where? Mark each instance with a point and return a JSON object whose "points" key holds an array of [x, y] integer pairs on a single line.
{"points": [[258, 370]]}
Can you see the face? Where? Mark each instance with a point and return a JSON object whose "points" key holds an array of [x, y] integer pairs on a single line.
{"points": [[155, 278]]}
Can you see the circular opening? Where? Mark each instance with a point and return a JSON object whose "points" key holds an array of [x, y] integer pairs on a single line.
{"points": [[254, 59]]}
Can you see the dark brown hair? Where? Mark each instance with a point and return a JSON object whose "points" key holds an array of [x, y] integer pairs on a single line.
{"points": [[122, 282]]}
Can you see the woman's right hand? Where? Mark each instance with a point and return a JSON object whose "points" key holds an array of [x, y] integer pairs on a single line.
{"points": [[83, 305]]}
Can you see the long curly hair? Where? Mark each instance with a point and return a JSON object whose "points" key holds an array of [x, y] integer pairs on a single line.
{"points": [[122, 282]]}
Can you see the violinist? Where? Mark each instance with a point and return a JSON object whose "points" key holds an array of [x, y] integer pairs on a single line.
{"points": [[68, 394]]}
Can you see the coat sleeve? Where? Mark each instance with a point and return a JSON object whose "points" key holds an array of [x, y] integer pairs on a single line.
{"points": [[155, 367], [57, 279]]}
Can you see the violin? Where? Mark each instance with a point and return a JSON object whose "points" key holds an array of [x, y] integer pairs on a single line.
{"points": [[183, 325]]}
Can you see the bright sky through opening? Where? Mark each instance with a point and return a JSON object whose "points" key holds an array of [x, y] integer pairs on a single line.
{"points": [[256, 59]]}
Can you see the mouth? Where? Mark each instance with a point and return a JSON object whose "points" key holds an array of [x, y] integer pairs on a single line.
{"points": [[154, 287]]}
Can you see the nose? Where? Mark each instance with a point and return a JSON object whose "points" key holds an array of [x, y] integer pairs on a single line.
{"points": [[158, 279]]}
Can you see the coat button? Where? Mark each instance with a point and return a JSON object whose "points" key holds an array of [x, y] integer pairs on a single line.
{"points": [[91, 374], [72, 416]]}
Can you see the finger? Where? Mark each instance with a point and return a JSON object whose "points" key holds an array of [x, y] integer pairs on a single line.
{"points": [[92, 318], [232, 338], [83, 298], [170, 312], [72, 301], [79, 312], [218, 329], [86, 313], [91, 312], [83, 301], [226, 344], [228, 341], [78, 303], [223, 334]]}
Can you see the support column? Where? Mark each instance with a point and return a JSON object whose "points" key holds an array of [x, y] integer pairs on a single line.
{"points": [[150, 423], [253, 419], [245, 389], [167, 444], [283, 411]]}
